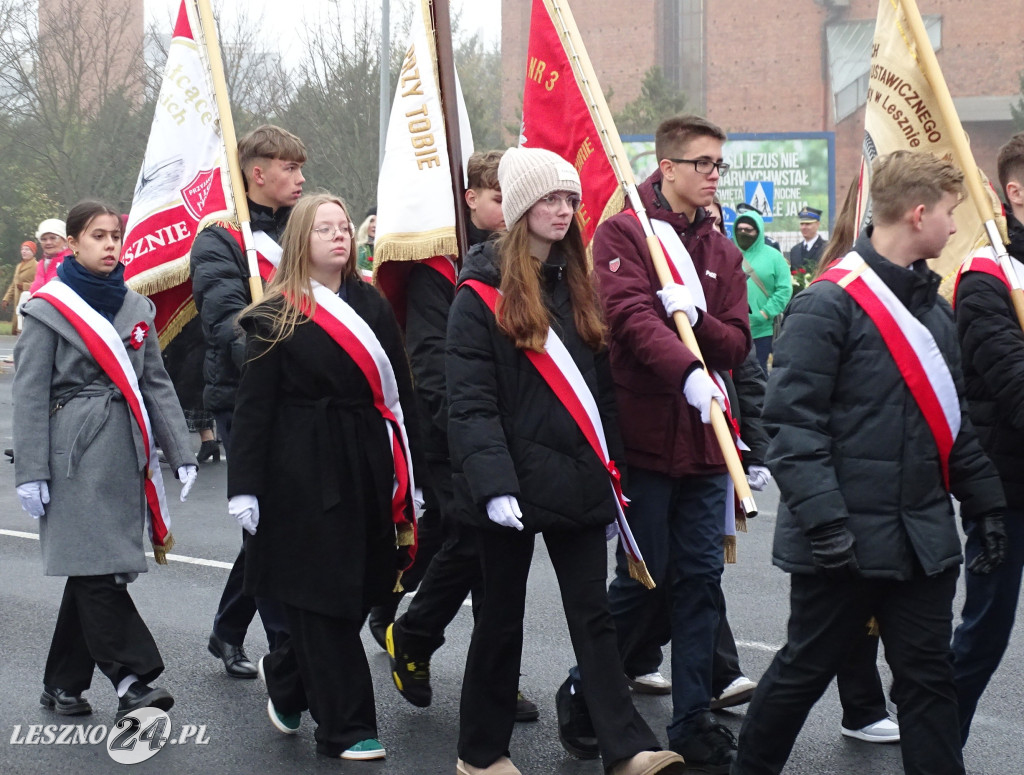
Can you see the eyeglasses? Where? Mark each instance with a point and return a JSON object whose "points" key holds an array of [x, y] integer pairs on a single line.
{"points": [[554, 201], [326, 233], [704, 166]]}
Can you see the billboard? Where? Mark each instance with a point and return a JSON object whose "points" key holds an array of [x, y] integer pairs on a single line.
{"points": [[779, 173]]}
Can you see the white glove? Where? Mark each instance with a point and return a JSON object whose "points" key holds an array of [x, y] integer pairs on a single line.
{"points": [[611, 531], [246, 511], [504, 510], [758, 478], [34, 497], [677, 298], [699, 390], [187, 476]]}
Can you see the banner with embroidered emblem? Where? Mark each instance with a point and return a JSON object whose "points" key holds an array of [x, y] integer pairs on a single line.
{"points": [[912, 347]]}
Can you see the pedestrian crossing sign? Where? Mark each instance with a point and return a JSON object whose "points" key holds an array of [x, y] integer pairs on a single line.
{"points": [[760, 194]]}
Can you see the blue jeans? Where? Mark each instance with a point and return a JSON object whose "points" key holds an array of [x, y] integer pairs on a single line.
{"points": [[678, 525], [989, 611]]}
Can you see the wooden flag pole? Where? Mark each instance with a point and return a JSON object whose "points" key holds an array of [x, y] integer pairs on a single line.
{"points": [[587, 78], [965, 157], [208, 30], [442, 31]]}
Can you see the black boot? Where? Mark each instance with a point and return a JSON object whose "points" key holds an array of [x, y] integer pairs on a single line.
{"points": [[64, 703], [383, 615], [575, 729], [141, 696]]}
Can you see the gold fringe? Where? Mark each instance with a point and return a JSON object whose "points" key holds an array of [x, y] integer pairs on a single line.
{"points": [[404, 535], [873, 627], [730, 549], [178, 322], [413, 246], [160, 552], [398, 583], [160, 278], [741, 523], [638, 571]]}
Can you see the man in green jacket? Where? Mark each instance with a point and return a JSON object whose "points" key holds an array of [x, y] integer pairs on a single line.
{"points": [[769, 284]]}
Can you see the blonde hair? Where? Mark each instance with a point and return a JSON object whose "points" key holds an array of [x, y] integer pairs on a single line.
{"points": [[292, 278], [363, 232], [522, 314], [903, 180]]}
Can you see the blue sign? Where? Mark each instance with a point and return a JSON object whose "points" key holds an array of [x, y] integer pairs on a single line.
{"points": [[760, 194], [730, 219]]}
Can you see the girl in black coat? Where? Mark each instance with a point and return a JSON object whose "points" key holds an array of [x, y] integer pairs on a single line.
{"points": [[311, 475], [522, 465]]}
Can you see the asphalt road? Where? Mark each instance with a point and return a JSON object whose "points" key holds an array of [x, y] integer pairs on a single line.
{"points": [[178, 602]]}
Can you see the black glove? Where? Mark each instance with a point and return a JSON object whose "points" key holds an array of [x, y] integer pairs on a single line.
{"points": [[991, 533], [832, 551]]}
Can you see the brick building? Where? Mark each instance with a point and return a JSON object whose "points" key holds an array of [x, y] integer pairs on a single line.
{"points": [[787, 65]]}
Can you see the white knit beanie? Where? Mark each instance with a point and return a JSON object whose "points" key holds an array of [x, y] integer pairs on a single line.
{"points": [[528, 174], [52, 226]]}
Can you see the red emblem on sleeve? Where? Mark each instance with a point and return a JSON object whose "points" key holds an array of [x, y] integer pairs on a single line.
{"points": [[138, 334], [614, 264]]}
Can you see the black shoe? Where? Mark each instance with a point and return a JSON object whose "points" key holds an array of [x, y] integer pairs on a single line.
{"points": [[235, 661], [141, 696], [411, 675], [575, 729], [525, 709], [711, 747], [209, 448], [64, 703], [380, 617], [10, 454]]}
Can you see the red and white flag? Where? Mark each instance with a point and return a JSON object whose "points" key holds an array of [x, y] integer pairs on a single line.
{"points": [[556, 117], [184, 181]]}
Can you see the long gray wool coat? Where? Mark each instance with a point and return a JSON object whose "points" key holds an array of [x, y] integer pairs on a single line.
{"points": [[73, 429]]}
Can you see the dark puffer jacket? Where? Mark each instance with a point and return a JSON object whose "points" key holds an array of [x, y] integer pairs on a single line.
{"points": [[220, 286], [993, 353], [850, 443], [509, 434]]}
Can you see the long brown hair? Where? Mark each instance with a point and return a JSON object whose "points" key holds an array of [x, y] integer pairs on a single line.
{"points": [[521, 311], [292, 278]]}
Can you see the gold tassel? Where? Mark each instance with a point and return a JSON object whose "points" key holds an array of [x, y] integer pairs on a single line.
{"points": [[398, 583], [730, 549], [873, 627], [414, 246], [638, 571], [160, 552], [404, 534], [741, 523]]}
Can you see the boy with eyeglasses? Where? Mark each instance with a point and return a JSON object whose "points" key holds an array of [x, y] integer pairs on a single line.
{"points": [[677, 480]]}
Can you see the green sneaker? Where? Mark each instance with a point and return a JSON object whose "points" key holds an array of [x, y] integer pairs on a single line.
{"points": [[411, 675], [364, 750], [285, 722]]}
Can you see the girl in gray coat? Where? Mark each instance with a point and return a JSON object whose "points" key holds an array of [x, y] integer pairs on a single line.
{"points": [[89, 372]]}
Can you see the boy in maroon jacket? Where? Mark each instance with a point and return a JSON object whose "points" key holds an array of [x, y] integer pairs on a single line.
{"points": [[677, 475]]}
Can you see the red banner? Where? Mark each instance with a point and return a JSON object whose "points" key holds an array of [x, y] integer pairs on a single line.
{"points": [[556, 117]]}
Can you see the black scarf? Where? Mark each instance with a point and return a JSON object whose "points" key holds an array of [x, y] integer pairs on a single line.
{"points": [[103, 294]]}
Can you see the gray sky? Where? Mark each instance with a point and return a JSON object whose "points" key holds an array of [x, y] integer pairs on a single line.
{"points": [[285, 19]]}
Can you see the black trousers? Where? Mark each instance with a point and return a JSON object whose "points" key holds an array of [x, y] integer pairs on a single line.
{"points": [[453, 572], [915, 618], [236, 610], [492, 667], [99, 626], [322, 667]]}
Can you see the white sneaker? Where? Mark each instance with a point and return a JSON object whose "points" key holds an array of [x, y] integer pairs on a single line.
{"points": [[884, 731], [738, 692], [652, 683]]}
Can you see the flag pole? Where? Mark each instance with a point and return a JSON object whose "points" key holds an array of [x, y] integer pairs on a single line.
{"points": [[972, 178], [441, 17], [605, 123], [208, 27]]}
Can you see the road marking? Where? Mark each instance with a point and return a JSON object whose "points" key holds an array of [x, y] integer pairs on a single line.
{"points": [[170, 557], [758, 645]]}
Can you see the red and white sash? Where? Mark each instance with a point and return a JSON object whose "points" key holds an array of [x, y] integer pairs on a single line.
{"points": [[563, 376], [105, 345], [444, 265], [912, 347], [984, 260], [355, 337], [268, 252]]}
